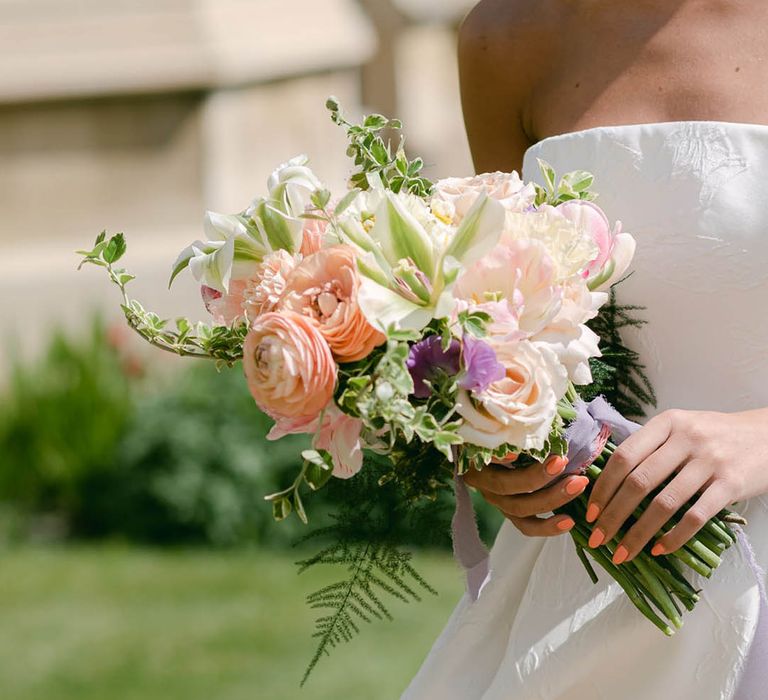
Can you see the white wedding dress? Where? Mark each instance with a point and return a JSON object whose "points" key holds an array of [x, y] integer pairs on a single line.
{"points": [[695, 196]]}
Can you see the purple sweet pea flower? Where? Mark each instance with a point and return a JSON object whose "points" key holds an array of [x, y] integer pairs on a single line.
{"points": [[473, 359], [481, 368], [426, 358]]}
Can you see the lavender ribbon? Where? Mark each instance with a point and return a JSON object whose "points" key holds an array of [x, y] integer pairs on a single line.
{"points": [[586, 435]]}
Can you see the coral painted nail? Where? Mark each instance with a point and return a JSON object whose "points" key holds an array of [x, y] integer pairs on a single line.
{"points": [[658, 549], [576, 485], [555, 465], [565, 524], [596, 538], [620, 554], [593, 510]]}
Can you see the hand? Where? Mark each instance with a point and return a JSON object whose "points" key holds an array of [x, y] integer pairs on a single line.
{"points": [[521, 494], [722, 456]]}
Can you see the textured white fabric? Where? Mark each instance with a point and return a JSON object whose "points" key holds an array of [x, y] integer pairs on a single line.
{"points": [[695, 196]]}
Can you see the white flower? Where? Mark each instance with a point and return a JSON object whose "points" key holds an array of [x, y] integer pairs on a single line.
{"points": [[229, 253], [519, 409], [411, 259]]}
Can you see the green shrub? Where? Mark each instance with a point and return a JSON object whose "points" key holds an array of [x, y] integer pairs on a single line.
{"points": [[195, 464], [60, 419]]}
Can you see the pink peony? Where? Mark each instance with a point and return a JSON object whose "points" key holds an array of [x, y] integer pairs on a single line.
{"points": [[324, 288], [288, 366], [516, 283]]}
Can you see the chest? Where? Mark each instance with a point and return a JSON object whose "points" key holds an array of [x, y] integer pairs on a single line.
{"points": [[618, 67]]}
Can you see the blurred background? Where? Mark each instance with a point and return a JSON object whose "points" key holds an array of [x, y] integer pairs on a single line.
{"points": [[138, 558]]}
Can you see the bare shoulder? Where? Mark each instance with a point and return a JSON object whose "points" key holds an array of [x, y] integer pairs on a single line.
{"points": [[503, 48]]}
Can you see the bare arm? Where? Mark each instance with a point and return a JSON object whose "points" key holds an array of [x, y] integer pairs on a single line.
{"points": [[502, 50]]}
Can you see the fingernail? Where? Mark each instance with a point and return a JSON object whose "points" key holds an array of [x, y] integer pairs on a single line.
{"points": [[620, 554], [658, 549], [565, 524], [596, 538], [555, 465], [576, 485], [593, 510]]}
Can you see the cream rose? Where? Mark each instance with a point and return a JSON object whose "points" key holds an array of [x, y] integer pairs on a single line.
{"points": [[454, 196], [288, 366], [518, 409]]}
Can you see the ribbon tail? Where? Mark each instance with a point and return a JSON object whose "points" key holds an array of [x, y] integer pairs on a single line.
{"points": [[753, 680], [468, 548]]}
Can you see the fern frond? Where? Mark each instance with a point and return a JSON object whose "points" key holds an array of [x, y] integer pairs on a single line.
{"points": [[619, 374], [374, 569]]}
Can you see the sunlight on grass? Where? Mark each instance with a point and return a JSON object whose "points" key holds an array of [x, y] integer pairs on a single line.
{"points": [[125, 624]]}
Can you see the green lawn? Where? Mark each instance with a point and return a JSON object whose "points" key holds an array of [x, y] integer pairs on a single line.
{"points": [[124, 624]]}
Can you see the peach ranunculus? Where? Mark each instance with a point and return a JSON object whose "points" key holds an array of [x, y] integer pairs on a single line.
{"points": [[324, 288], [339, 434], [257, 294], [455, 195], [288, 366], [518, 275], [518, 409]]}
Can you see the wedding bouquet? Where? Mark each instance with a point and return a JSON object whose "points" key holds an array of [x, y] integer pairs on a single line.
{"points": [[417, 331]]}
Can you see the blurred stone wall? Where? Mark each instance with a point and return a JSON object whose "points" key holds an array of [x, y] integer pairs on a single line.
{"points": [[137, 115]]}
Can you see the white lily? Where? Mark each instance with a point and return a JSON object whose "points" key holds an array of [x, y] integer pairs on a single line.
{"points": [[409, 271], [228, 253]]}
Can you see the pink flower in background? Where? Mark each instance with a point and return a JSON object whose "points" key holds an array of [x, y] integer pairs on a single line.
{"points": [[460, 193], [324, 288], [288, 366]]}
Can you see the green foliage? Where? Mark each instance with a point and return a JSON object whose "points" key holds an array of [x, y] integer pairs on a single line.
{"points": [[373, 156], [221, 343], [60, 419], [373, 521], [573, 185], [619, 374]]}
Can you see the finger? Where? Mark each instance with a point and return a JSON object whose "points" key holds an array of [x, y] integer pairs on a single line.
{"points": [[647, 476], [665, 504], [506, 481], [541, 501], [542, 527], [636, 448], [715, 497]]}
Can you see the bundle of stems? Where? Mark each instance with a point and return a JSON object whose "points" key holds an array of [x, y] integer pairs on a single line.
{"points": [[655, 584]]}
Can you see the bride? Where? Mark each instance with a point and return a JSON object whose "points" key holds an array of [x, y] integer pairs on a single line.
{"points": [[664, 101]]}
